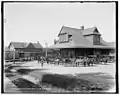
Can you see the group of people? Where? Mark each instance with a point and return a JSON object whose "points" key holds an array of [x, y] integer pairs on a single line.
{"points": [[90, 61], [42, 59], [86, 61]]}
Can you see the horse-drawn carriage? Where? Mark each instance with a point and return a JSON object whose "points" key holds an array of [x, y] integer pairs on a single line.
{"points": [[89, 60], [107, 59]]}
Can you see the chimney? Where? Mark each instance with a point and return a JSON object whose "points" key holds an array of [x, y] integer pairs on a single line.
{"points": [[55, 41], [37, 42], [82, 27]]}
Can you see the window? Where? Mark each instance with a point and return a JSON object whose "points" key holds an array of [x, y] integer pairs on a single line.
{"points": [[96, 39], [69, 37], [63, 38], [11, 48]]}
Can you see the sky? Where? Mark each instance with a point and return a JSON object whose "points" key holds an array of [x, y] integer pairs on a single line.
{"points": [[32, 22]]}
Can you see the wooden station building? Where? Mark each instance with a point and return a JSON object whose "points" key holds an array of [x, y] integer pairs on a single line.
{"points": [[74, 42]]}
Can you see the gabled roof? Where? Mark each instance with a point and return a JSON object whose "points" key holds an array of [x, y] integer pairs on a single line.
{"points": [[79, 39], [87, 31], [25, 45], [30, 45], [68, 30], [77, 36], [37, 45], [90, 31], [6, 48], [18, 44]]}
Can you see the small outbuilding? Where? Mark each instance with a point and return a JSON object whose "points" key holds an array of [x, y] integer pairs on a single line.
{"points": [[22, 49]]}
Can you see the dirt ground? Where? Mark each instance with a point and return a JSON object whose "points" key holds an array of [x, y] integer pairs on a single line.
{"points": [[109, 68], [98, 76]]}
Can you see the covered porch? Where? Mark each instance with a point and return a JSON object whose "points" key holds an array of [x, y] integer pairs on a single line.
{"points": [[75, 52]]}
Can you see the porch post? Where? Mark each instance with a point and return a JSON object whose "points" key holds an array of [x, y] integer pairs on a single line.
{"points": [[74, 52], [93, 51]]}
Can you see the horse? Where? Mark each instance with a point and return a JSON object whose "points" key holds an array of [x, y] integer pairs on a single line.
{"points": [[78, 61], [90, 61], [57, 60]]}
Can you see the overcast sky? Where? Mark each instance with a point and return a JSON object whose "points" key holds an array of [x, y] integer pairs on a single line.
{"points": [[32, 22]]}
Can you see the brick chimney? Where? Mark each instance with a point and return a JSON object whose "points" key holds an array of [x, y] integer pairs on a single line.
{"points": [[82, 27], [37, 42]]}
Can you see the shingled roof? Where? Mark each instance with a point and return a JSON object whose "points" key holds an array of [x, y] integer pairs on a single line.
{"points": [[18, 44], [25, 45], [77, 35], [37, 45], [78, 38], [90, 31], [69, 30]]}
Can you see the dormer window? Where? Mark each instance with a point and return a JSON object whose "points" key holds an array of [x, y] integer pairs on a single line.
{"points": [[96, 39], [63, 38], [69, 37]]}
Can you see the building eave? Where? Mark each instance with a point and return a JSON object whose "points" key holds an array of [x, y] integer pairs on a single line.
{"points": [[81, 46]]}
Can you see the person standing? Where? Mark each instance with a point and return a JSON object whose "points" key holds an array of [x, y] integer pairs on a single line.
{"points": [[38, 58], [47, 60], [85, 61], [42, 61]]}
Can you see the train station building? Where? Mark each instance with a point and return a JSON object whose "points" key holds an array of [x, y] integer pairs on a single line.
{"points": [[81, 42]]}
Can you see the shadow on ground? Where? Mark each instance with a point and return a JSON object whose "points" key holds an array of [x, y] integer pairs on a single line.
{"points": [[80, 82], [26, 71], [26, 86]]}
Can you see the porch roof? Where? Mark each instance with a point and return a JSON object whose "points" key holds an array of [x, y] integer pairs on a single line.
{"points": [[68, 45]]}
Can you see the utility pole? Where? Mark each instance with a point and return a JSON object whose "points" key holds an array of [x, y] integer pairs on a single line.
{"points": [[46, 44]]}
